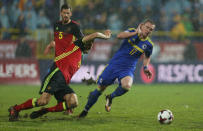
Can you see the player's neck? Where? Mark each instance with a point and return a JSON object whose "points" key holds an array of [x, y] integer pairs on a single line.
{"points": [[66, 22], [142, 37]]}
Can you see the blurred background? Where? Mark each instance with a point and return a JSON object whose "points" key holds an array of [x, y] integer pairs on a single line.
{"points": [[26, 29]]}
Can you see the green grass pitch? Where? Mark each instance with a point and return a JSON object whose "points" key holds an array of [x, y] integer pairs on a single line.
{"points": [[136, 110]]}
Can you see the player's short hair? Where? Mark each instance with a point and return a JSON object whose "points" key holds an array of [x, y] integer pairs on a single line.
{"points": [[65, 6], [148, 20]]}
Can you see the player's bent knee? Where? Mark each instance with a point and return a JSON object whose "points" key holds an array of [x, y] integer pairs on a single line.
{"points": [[73, 101], [126, 87], [42, 102], [44, 99]]}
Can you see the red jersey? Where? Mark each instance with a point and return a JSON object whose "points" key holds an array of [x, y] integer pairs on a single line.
{"points": [[67, 54]]}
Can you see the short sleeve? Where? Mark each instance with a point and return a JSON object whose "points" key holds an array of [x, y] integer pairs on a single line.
{"points": [[130, 30], [148, 51], [77, 31]]}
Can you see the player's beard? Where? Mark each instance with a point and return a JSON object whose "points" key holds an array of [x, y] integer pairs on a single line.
{"points": [[65, 20]]}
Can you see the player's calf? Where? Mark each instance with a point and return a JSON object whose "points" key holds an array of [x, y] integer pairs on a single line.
{"points": [[92, 99], [83, 114], [126, 83], [72, 102], [39, 113], [118, 92], [44, 99], [126, 87], [57, 108]]}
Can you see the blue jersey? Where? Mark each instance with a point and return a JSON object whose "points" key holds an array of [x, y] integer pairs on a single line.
{"points": [[131, 50], [125, 59]]}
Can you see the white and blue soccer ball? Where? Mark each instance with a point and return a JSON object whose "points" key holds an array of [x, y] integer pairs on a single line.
{"points": [[165, 116]]}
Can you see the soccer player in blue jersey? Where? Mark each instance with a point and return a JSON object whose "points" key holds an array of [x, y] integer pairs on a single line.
{"points": [[122, 66]]}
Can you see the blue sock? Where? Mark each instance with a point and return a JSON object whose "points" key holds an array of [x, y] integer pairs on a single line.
{"points": [[92, 99], [118, 92]]}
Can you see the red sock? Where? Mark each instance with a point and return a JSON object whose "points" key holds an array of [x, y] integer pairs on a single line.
{"points": [[58, 108], [26, 105]]}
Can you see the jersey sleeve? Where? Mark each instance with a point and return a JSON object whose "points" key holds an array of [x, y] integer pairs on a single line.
{"points": [[130, 30], [79, 43], [85, 47], [148, 51], [77, 32]]}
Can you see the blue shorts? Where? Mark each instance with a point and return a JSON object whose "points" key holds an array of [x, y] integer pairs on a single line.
{"points": [[110, 73]]}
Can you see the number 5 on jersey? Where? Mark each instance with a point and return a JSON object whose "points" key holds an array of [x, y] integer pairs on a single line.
{"points": [[60, 35]]}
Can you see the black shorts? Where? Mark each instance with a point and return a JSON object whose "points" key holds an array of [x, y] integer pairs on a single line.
{"points": [[55, 84]]}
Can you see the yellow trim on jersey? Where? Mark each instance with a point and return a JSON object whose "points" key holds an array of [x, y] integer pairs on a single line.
{"points": [[133, 51], [130, 29], [150, 41], [135, 46], [138, 48], [66, 54]]}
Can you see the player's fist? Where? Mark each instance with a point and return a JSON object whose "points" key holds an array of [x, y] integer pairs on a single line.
{"points": [[139, 31], [148, 73]]}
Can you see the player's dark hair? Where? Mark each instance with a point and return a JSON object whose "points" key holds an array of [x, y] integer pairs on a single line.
{"points": [[65, 6], [148, 20]]}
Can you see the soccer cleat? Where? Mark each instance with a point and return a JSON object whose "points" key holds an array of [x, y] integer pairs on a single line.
{"points": [[36, 114], [108, 103], [83, 114], [13, 114]]}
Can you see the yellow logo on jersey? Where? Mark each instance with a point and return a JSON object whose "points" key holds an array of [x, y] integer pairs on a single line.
{"points": [[60, 35]]}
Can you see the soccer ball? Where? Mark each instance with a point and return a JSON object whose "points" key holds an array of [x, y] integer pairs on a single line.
{"points": [[165, 116]]}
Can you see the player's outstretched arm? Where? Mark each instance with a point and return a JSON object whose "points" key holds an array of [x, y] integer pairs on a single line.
{"points": [[91, 37], [146, 62], [126, 34], [48, 47], [123, 35]]}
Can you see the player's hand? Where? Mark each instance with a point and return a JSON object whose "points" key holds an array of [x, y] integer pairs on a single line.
{"points": [[139, 31], [148, 73], [48, 47], [107, 33]]}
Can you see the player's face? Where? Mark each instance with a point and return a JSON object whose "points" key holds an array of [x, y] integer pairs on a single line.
{"points": [[147, 29], [66, 14]]}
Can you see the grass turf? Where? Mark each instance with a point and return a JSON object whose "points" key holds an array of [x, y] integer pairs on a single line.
{"points": [[136, 110]]}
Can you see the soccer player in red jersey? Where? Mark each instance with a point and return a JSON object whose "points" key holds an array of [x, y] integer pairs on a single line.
{"points": [[68, 56], [65, 32]]}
